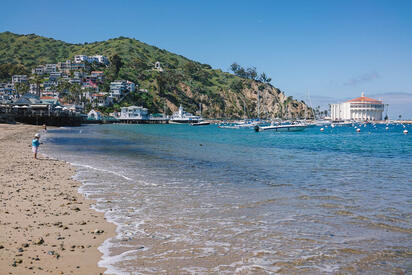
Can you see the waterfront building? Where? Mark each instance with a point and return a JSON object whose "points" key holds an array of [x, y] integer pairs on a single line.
{"points": [[360, 109], [18, 78], [134, 113], [94, 115], [52, 100]]}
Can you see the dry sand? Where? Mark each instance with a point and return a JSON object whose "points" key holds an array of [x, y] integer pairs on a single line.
{"points": [[46, 226]]}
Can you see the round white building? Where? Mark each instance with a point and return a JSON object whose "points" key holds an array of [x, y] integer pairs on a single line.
{"points": [[360, 109]]}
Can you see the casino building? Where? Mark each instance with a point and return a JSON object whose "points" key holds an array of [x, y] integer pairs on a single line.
{"points": [[360, 109]]}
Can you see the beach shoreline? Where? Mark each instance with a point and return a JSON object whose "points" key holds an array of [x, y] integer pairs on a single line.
{"points": [[46, 225]]}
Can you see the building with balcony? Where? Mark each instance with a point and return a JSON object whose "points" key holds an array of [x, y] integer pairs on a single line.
{"points": [[360, 109], [50, 68], [91, 59], [134, 113], [18, 78], [120, 88], [39, 70]]}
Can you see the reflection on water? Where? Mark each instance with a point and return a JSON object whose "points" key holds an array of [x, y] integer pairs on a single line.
{"points": [[203, 200]]}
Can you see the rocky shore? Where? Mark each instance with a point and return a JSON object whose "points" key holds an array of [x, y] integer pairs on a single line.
{"points": [[46, 226]]}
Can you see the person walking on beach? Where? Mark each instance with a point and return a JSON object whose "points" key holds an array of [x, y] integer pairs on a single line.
{"points": [[35, 143]]}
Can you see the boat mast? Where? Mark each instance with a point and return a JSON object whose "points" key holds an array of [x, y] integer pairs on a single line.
{"points": [[258, 104], [310, 102]]}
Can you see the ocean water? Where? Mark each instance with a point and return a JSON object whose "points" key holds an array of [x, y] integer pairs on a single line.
{"points": [[204, 200]]}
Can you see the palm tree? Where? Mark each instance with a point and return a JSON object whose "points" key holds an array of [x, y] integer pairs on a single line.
{"points": [[21, 88], [75, 92]]}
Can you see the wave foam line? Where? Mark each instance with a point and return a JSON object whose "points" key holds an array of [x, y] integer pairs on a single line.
{"points": [[102, 170]]}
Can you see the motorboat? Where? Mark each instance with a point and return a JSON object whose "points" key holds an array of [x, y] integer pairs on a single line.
{"points": [[282, 127]]}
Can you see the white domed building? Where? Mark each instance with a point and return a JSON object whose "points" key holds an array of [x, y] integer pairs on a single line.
{"points": [[360, 109]]}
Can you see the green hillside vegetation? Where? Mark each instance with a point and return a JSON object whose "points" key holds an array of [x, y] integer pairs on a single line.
{"points": [[183, 81]]}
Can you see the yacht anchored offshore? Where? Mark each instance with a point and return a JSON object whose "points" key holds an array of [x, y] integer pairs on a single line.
{"points": [[184, 117]]}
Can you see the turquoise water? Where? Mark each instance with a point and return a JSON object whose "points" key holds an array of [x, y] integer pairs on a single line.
{"points": [[204, 200]]}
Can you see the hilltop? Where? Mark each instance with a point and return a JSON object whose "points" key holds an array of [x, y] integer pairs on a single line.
{"points": [[182, 81]]}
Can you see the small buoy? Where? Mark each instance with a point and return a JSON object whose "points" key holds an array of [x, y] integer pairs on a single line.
{"points": [[405, 131], [387, 128], [357, 130], [333, 125], [321, 129]]}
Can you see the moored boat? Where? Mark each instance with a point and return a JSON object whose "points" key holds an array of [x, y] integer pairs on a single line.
{"points": [[184, 117], [200, 123], [281, 128]]}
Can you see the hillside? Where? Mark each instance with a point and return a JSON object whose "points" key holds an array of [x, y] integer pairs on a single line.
{"points": [[183, 81]]}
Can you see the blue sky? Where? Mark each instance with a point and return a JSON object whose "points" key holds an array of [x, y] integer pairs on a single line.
{"points": [[332, 49]]}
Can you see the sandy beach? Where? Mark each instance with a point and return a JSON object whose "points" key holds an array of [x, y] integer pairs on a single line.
{"points": [[46, 226]]}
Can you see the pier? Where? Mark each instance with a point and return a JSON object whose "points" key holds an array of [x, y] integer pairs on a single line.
{"points": [[144, 121]]}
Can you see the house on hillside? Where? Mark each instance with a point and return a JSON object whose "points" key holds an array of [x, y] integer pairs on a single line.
{"points": [[39, 70], [50, 68], [99, 75], [101, 100], [120, 88], [18, 78], [91, 59]]}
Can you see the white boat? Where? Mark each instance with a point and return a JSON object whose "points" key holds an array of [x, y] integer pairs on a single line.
{"points": [[240, 125], [282, 128], [342, 123], [184, 117], [200, 123]]}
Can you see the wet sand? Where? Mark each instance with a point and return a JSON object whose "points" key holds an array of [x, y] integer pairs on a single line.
{"points": [[46, 226]]}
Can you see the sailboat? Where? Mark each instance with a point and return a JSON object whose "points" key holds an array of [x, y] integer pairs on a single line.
{"points": [[201, 122]]}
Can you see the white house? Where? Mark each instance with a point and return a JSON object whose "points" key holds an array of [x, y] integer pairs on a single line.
{"points": [[101, 100], [120, 88], [360, 109], [39, 70], [134, 112], [94, 115], [91, 59], [50, 68], [18, 78]]}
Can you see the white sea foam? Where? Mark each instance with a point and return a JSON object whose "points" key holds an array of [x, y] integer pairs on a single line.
{"points": [[102, 170]]}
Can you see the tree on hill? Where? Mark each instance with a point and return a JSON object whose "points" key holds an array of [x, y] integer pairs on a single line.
{"points": [[249, 73], [265, 79], [116, 61], [7, 70]]}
